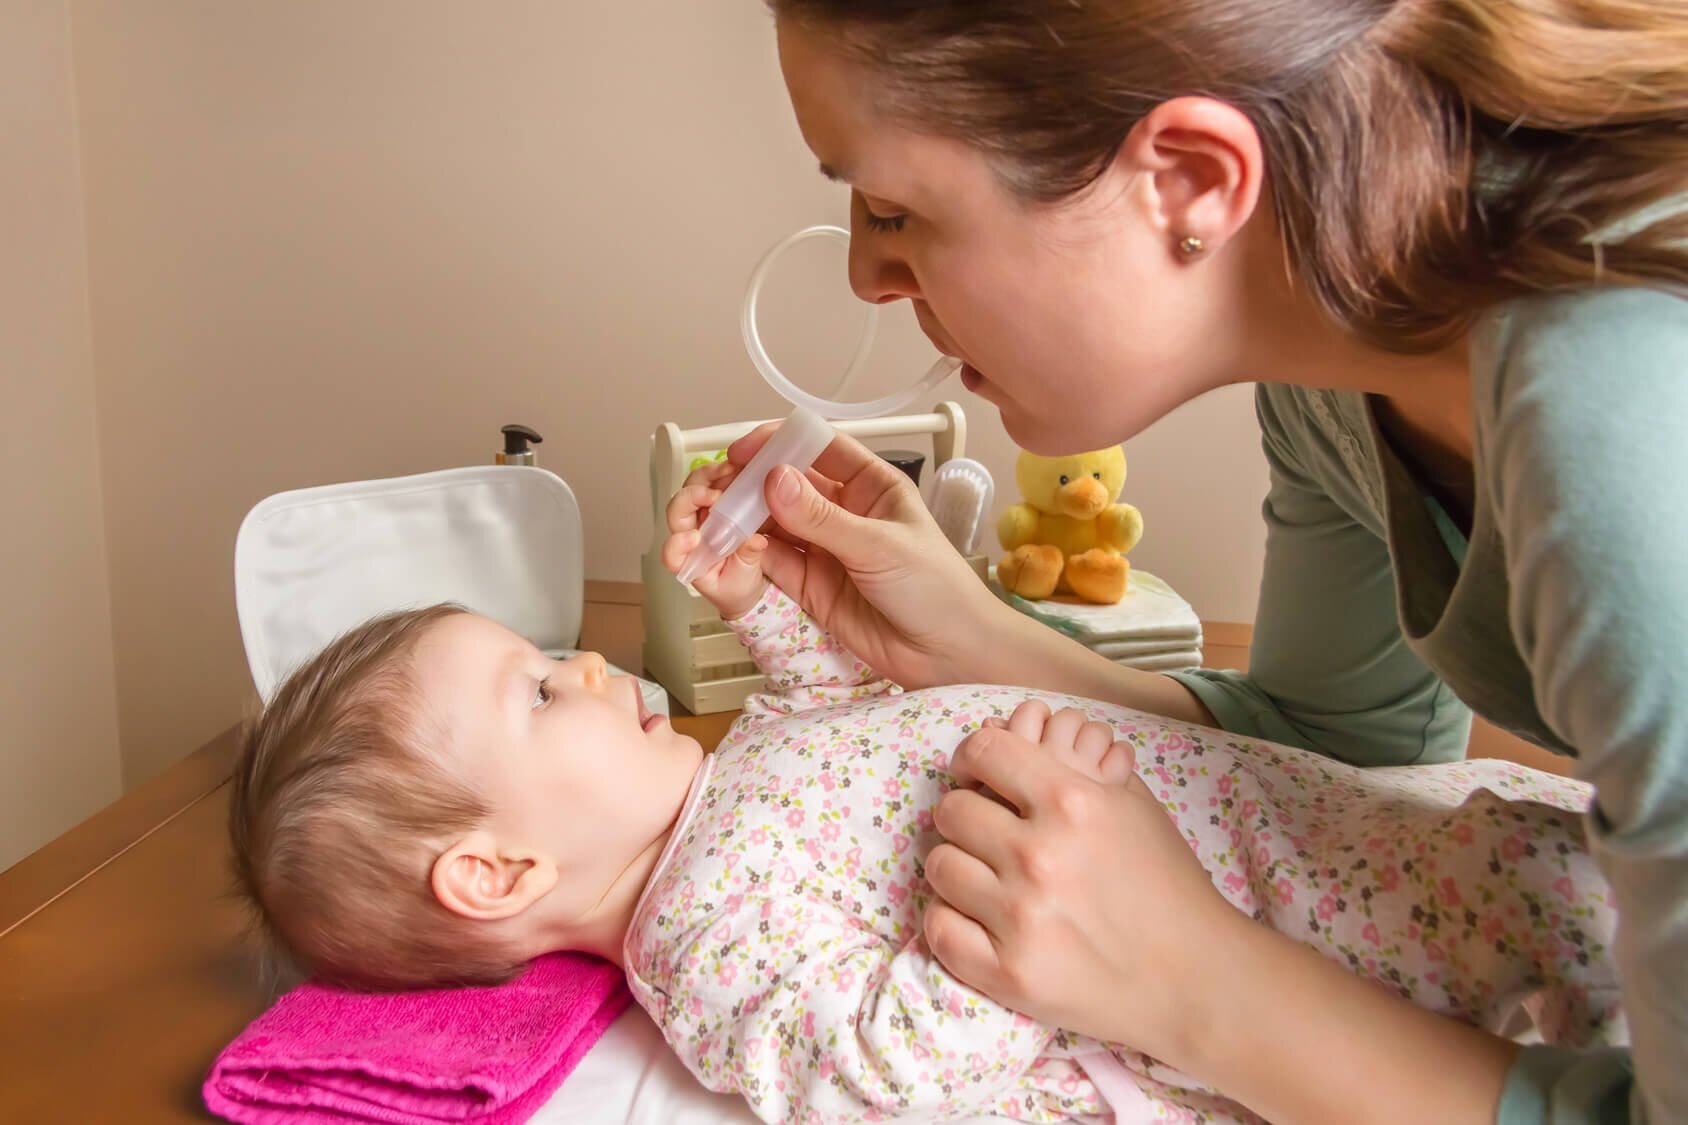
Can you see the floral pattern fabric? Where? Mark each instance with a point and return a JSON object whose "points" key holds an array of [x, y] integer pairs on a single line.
{"points": [[779, 947]]}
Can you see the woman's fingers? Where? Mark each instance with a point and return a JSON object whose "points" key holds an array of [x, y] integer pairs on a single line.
{"points": [[967, 883], [980, 826], [1015, 767], [962, 946]]}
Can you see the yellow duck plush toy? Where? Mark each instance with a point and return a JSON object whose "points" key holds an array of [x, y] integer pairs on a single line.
{"points": [[1069, 536]]}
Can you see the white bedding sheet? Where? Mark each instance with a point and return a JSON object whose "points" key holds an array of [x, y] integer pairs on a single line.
{"points": [[630, 1077]]}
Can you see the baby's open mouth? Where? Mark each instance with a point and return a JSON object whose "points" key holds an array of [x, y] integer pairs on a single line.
{"points": [[647, 720]]}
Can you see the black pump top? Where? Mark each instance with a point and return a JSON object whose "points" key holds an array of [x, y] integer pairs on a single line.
{"points": [[516, 439]]}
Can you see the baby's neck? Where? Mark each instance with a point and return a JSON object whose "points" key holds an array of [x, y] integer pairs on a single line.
{"points": [[603, 930]]}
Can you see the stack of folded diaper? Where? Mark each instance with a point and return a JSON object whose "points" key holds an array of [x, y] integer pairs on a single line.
{"points": [[1152, 627]]}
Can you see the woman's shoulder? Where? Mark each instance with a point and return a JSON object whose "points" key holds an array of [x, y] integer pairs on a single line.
{"points": [[1581, 350], [1586, 380], [1581, 400]]}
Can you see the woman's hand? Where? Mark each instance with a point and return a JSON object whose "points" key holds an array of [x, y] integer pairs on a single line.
{"points": [[1081, 905], [1076, 902], [734, 585], [854, 545]]}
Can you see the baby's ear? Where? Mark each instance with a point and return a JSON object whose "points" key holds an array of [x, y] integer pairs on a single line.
{"points": [[475, 878]]}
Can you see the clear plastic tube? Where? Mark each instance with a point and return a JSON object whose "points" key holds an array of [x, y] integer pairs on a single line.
{"points": [[743, 508], [797, 396]]}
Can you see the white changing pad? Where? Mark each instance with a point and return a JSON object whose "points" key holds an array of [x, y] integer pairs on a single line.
{"points": [[505, 541], [631, 1078]]}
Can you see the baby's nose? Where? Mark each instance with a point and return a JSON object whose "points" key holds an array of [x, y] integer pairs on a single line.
{"points": [[594, 673]]}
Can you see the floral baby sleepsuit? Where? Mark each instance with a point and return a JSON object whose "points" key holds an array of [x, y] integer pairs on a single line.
{"points": [[779, 948]]}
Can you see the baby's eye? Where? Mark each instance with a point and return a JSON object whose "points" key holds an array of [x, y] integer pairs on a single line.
{"points": [[542, 695]]}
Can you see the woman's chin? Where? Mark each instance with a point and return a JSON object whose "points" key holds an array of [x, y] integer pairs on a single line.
{"points": [[1044, 437]]}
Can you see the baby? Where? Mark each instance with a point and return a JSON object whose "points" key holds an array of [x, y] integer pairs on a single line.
{"points": [[432, 800]]}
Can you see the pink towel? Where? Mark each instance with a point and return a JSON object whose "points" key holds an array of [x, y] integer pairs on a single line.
{"points": [[488, 1056]]}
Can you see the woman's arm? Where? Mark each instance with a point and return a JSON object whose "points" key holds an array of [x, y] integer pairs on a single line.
{"points": [[1297, 1038], [1026, 653], [855, 546], [1581, 445]]}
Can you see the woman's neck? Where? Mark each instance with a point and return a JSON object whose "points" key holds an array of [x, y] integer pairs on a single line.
{"points": [[1423, 401]]}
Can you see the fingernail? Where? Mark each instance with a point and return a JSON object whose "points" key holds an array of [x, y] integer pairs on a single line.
{"points": [[786, 487]]}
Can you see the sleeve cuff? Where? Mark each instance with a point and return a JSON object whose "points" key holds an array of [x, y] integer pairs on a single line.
{"points": [[772, 605], [1228, 701], [1559, 1086]]}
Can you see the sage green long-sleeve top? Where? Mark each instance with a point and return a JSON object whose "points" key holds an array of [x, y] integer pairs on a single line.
{"points": [[1563, 617]]}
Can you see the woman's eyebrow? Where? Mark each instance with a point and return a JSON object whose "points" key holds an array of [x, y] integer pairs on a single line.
{"points": [[834, 174]]}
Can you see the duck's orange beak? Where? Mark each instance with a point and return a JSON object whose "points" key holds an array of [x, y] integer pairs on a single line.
{"points": [[1081, 499]]}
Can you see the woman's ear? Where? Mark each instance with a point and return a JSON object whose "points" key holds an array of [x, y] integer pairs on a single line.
{"points": [[475, 878], [1202, 167]]}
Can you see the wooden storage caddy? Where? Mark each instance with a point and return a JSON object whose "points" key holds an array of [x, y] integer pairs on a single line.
{"points": [[687, 648]]}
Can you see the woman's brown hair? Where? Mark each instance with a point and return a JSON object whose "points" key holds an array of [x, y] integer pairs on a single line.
{"points": [[1426, 158]]}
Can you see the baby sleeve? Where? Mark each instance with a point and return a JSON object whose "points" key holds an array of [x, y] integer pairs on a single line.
{"points": [[806, 667], [812, 1017]]}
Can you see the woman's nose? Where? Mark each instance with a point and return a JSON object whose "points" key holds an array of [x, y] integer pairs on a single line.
{"points": [[590, 669], [878, 274]]}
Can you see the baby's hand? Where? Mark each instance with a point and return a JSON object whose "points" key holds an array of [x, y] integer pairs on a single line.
{"points": [[1072, 737], [735, 584]]}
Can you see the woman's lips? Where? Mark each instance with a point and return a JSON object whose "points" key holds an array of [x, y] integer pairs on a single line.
{"points": [[970, 378]]}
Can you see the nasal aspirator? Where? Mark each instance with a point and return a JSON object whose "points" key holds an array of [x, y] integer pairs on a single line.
{"points": [[743, 508]]}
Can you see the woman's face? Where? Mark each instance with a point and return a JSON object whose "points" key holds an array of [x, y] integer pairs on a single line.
{"points": [[1075, 319]]}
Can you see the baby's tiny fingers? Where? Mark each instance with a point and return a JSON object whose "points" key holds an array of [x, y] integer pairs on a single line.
{"points": [[1093, 740], [1028, 719], [745, 564], [711, 474], [676, 547], [683, 509], [1118, 764], [1061, 732]]}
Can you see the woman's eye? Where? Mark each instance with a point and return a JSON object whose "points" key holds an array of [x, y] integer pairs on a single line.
{"points": [[884, 224], [542, 695]]}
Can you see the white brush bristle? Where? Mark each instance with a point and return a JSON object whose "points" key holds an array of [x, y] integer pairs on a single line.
{"points": [[961, 494]]}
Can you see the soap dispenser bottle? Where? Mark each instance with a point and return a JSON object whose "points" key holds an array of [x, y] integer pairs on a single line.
{"points": [[517, 440]]}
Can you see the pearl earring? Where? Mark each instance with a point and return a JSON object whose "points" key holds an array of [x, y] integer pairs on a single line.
{"points": [[1190, 246]]}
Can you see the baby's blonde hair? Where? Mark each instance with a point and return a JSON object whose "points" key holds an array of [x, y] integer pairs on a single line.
{"points": [[341, 804]]}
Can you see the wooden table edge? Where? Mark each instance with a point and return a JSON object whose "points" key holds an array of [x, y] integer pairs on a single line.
{"points": [[37, 880]]}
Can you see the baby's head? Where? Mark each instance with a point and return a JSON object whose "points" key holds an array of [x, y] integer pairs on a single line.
{"points": [[432, 800]]}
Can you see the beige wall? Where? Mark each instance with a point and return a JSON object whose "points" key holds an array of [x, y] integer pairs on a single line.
{"points": [[336, 240], [58, 723]]}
